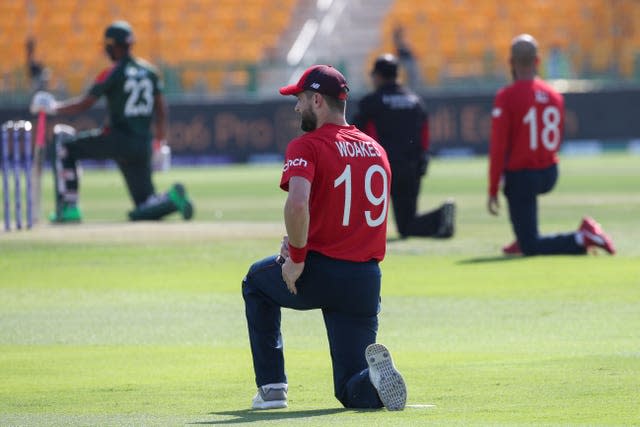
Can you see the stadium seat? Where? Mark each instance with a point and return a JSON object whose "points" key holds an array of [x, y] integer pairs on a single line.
{"points": [[175, 33], [463, 31]]}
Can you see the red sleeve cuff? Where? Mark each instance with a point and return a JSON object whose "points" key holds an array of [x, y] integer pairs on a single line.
{"points": [[297, 255]]}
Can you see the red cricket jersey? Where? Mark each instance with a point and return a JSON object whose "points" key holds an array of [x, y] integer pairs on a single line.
{"points": [[350, 185], [526, 129]]}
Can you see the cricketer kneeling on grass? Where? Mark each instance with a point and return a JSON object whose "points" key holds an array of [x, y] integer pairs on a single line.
{"points": [[133, 90], [338, 181]]}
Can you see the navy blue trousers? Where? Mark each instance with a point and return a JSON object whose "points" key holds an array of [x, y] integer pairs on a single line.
{"points": [[348, 293], [521, 190]]}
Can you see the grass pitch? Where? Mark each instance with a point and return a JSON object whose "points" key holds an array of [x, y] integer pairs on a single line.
{"points": [[113, 323]]}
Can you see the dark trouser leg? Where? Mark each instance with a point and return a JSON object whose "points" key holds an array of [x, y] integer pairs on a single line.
{"points": [[521, 190], [404, 196], [264, 292], [137, 175], [348, 293], [405, 189], [137, 171], [349, 336]]}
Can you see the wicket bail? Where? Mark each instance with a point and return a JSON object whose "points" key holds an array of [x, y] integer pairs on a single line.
{"points": [[17, 157]]}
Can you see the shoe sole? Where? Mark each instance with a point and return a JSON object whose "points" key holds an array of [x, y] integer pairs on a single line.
{"points": [[272, 404], [390, 384], [447, 229]]}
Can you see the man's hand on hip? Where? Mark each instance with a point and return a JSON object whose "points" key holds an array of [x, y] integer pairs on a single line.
{"points": [[291, 271]]}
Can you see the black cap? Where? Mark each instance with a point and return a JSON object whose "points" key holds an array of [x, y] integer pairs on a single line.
{"points": [[119, 32], [386, 66], [323, 79]]}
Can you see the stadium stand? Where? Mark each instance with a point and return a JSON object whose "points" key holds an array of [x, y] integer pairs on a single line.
{"points": [[214, 46], [171, 34], [469, 39]]}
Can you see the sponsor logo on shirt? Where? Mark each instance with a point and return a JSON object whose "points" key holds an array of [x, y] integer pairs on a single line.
{"points": [[299, 162], [496, 112], [357, 149], [542, 97]]}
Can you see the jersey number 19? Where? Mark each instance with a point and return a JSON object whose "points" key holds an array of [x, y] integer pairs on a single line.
{"points": [[345, 178]]}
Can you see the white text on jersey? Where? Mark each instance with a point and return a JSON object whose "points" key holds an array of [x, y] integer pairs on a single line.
{"points": [[295, 162], [357, 149]]}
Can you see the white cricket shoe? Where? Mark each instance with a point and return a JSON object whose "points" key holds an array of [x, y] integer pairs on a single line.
{"points": [[385, 377], [271, 396]]}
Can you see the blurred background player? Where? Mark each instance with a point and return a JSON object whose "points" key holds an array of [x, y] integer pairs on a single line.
{"points": [[526, 132], [134, 96], [37, 72], [396, 117], [406, 58], [329, 260]]}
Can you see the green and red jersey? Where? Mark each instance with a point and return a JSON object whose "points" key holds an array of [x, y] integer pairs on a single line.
{"points": [[130, 86]]}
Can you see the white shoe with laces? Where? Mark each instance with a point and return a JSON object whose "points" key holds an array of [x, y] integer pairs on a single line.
{"points": [[271, 396], [385, 377]]}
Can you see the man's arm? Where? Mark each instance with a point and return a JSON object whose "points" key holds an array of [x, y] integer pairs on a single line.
{"points": [[296, 220], [75, 105], [497, 151], [296, 211], [160, 112]]}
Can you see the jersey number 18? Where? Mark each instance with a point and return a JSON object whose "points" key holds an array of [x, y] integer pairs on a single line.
{"points": [[550, 135]]}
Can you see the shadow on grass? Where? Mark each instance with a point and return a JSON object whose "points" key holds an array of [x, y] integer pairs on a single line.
{"points": [[252, 416], [488, 259]]}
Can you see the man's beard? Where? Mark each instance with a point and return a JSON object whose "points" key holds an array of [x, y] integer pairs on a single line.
{"points": [[309, 121]]}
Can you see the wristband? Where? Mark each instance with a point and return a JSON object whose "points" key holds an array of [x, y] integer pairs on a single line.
{"points": [[297, 255]]}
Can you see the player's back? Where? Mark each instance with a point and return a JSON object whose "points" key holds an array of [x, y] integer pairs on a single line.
{"points": [[397, 116], [130, 87], [535, 114], [349, 201]]}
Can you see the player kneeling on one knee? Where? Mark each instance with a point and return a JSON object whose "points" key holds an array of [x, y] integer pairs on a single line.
{"points": [[329, 258], [135, 102]]}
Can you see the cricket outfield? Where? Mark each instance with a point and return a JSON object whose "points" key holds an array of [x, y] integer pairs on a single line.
{"points": [[113, 323]]}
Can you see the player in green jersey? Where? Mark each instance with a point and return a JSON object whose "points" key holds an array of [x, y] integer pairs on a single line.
{"points": [[135, 102]]}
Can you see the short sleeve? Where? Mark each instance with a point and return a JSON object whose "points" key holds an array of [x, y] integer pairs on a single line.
{"points": [[300, 160], [101, 83]]}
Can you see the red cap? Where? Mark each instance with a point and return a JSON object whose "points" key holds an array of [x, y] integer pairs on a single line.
{"points": [[323, 79]]}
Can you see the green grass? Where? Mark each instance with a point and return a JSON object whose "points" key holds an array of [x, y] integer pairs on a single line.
{"points": [[112, 323]]}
